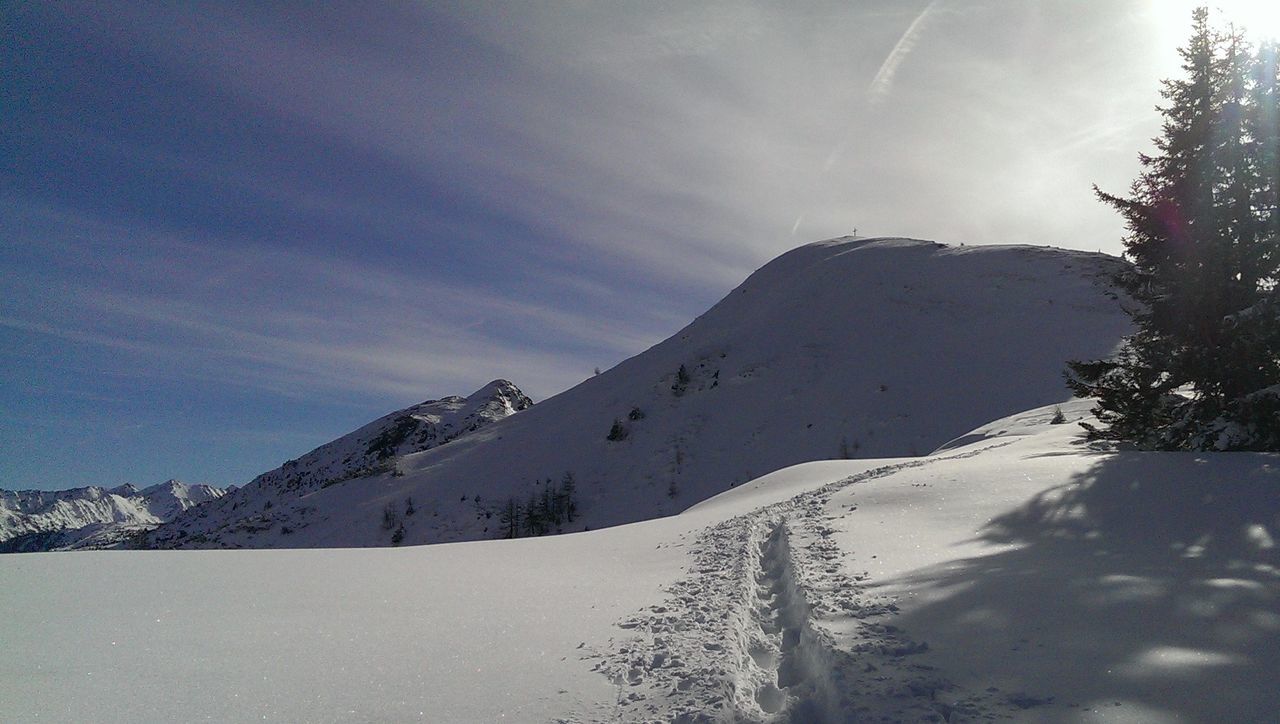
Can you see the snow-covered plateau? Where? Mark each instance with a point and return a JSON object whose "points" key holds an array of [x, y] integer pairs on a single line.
{"points": [[1015, 573]]}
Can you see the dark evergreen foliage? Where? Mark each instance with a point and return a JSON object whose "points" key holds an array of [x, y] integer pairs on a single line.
{"points": [[569, 496], [390, 518], [384, 445], [682, 381], [617, 432], [1203, 370], [543, 512], [509, 519]]}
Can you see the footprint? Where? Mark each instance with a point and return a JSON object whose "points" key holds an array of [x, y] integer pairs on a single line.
{"points": [[764, 656], [771, 699]]}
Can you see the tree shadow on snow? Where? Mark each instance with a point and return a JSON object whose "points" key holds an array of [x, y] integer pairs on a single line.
{"points": [[1150, 581]]}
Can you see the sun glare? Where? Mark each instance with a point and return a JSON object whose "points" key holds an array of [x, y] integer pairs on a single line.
{"points": [[1259, 18]]}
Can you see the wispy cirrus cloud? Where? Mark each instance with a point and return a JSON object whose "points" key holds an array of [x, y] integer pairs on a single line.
{"points": [[299, 323], [882, 82]]}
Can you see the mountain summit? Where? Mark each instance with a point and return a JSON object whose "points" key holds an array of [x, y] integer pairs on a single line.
{"points": [[844, 348]]}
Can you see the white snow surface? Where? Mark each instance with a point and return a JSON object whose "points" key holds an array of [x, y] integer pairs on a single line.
{"points": [[1019, 574], [860, 348], [92, 516]]}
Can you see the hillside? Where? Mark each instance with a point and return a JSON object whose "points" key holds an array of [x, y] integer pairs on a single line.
{"points": [[91, 517], [1017, 574], [843, 348], [374, 449]]}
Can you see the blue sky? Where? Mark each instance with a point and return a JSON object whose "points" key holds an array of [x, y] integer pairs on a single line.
{"points": [[231, 232]]}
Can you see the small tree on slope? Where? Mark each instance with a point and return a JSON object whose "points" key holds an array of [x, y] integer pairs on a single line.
{"points": [[1203, 369]]}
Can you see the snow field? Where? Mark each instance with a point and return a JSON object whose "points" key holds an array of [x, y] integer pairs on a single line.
{"points": [[1085, 586], [1015, 575], [996, 579]]}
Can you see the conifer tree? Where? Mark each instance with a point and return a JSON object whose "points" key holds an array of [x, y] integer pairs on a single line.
{"points": [[682, 381], [534, 516], [568, 488], [617, 431], [509, 519], [1201, 218], [551, 504]]}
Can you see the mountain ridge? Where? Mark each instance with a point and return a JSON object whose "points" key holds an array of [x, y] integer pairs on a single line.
{"points": [[372, 449], [92, 516]]}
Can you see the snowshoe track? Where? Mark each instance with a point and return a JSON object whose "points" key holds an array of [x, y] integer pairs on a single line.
{"points": [[794, 662], [738, 639]]}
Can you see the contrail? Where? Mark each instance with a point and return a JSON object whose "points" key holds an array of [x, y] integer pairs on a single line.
{"points": [[883, 81]]}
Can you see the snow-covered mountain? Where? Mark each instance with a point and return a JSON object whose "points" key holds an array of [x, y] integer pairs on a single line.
{"points": [[843, 348], [371, 451], [91, 517], [376, 447]]}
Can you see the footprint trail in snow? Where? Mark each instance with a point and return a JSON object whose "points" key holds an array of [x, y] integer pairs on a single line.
{"points": [[740, 639], [794, 660]]}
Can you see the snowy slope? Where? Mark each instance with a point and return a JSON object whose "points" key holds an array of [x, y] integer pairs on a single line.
{"points": [[844, 348], [1021, 575], [374, 449], [33, 520]]}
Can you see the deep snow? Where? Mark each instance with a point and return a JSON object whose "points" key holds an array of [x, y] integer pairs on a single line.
{"points": [[1015, 573]]}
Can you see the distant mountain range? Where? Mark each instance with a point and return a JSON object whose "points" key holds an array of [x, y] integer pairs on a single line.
{"points": [[92, 517], [844, 348]]}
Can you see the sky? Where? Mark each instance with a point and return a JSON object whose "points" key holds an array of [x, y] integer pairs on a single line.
{"points": [[230, 232]]}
